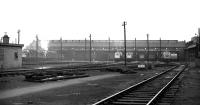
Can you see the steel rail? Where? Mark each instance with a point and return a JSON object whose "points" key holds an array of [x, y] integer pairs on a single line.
{"points": [[107, 99], [164, 89]]}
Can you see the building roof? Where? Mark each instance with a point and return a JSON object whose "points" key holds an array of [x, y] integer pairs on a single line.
{"points": [[191, 46], [117, 43], [11, 45]]}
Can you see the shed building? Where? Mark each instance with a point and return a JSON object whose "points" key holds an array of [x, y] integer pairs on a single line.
{"points": [[103, 50], [10, 54]]}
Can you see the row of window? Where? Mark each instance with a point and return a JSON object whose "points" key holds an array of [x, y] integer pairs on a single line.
{"points": [[104, 49], [121, 41]]}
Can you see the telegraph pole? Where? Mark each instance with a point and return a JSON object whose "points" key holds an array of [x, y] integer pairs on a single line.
{"points": [[61, 47], [199, 43], [18, 36], [160, 50], [124, 24], [85, 49], [108, 48], [85, 44], [37, 48], [148, 49], [135, 50], [90, 49]]}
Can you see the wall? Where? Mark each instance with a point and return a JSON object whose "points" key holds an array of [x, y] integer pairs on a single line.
{"points": [[1, 58], [197, 62], [9, 57]]}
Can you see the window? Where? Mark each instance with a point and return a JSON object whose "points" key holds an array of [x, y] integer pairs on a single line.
{"points": [[16, 55], [1, 54]]}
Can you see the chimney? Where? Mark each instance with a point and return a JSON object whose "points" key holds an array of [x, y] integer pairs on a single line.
{"points": [[6, 38], [18, 36]]}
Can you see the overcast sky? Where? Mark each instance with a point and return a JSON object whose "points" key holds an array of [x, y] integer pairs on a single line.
{"points": [[76, 19]]}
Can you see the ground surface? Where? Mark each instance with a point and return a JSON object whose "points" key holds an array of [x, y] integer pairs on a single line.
{"points": [[82, 91], [189, 94]]}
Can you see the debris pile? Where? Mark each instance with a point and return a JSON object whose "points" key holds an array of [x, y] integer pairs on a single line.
{"points": [[43, 76]]}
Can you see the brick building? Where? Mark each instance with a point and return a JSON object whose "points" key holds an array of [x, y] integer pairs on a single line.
{"points": [[104, 50], [193, 51]]}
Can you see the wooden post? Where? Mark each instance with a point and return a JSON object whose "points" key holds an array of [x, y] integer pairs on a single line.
{"points": [[124, 24]]}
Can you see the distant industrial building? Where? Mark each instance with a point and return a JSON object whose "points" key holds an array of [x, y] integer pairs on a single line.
{"points": [[10, 54], [108, 50], [193, 51]]}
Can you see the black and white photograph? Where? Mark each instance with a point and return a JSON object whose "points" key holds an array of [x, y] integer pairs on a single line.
{"points": [[99, 52]]}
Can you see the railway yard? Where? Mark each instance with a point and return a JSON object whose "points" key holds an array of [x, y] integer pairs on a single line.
{"points": [[101, 84], [74, 52]]}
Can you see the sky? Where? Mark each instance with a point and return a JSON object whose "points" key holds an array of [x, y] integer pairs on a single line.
{"points": [[76, 19]]}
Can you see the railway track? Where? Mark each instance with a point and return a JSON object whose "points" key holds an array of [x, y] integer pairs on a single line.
{"points": [[147, 92], [96, 66]]}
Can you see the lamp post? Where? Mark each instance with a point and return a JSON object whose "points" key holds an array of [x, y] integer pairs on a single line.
{"points": [[124, 24]]}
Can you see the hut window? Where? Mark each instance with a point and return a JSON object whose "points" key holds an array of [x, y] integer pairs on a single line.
{"points": [[1, 54], [16, 55]]}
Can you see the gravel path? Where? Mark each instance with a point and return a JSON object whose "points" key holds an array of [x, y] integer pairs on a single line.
{"points": [[51, 85], [86, 90], [189, 93]]}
